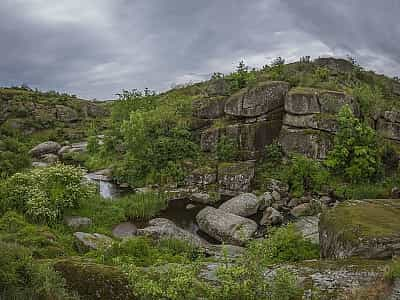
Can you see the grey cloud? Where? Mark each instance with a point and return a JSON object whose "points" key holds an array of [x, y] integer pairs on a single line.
{"points": [[96, 48]]}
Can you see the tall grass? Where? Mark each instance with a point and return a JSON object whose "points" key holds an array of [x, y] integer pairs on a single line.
{"points": [[143, 206]]}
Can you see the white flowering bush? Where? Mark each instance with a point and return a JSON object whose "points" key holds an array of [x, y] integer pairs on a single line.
{"points": [[44, 194]]}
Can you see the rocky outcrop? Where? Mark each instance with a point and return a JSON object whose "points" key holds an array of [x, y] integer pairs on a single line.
{"points": [[88, 241], [335, 65], [312, 143], [388, 125], [45, 148], [244, 205], [209, 108], [253, 102], [362, 228], [225, 227], [310, 120], [160, 228], [235, 178], [66, 114]]}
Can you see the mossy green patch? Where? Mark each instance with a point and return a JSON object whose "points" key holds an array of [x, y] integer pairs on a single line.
{"points": [[364, 219]]}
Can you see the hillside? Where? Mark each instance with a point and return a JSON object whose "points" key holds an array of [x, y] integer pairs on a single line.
{"points": [[272, 183]]}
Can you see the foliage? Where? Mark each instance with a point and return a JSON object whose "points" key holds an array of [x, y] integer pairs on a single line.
{"points": [[321, 74], [144, 252], [273, 153], [143, 206], [43, 194], [304, 175], [13, 156], [356, 152], [369, 98], [227, 149], [284, 244], [23, 278], [43, 242], [242, 78]]}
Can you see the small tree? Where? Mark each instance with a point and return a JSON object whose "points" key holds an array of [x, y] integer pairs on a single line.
{"points": [[355, 154]]}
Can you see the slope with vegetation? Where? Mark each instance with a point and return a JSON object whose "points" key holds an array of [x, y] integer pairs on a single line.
{"points": [[302, 137]]}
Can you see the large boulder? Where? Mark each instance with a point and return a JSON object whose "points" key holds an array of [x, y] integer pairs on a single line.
{"points": [[208, 108], [324, 122], [225, 227], [256, 101], [312, 143], [45, 148], [244, 205], [362, 228], [160, 228], [235, 178], [124, 230], [302, 101]]}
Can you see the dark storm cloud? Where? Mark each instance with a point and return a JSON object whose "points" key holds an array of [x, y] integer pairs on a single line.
{"points": [[95, 48]]}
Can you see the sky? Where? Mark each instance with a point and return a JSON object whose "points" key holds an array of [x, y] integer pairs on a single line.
{"points": [[96, 48]]}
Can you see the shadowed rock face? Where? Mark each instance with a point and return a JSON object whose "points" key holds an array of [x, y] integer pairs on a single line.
{"points": [[235, 178], [226, 227], [253, 102], [362, 228], [388, 125]]}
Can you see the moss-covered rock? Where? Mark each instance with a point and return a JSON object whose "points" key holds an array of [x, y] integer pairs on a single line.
{"points": [[94, 281], [363, 228], [208, 108]]}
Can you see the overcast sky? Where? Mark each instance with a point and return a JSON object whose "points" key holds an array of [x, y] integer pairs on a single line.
{"points": [[96, 48]]}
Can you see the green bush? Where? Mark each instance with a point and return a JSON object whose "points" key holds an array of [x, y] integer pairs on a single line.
{"points": [[143, 206], [23, 278], [227, 149], [355, 154], [370, 99], [13, 156], [284, 244], [304, 175], [241, 78], [43, 194]]}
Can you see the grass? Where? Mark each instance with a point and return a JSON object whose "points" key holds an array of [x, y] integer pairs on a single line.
{"points": [[367, 219], [143, 206]]}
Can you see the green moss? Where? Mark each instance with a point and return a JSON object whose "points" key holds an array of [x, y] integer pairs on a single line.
{"points": [[364, 219], [94, 281]]}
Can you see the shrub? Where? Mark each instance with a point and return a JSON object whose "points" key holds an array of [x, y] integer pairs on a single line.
{"points": [[44, 194], [227, 149], [304, 175], [284, 244], [355, 154], [241, 78], [142, 206], [369, 98], [13, 156]]}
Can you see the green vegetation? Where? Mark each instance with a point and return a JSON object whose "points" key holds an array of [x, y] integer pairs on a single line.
{"points": [[44, 194], [227, 149], [143, 206], [356, 152]]}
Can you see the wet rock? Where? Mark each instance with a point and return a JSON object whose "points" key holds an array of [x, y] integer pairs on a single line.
{"points": [[45, 148], [124, 230], [235, 178], [226, 227], [101, 175], [76, 222], [271, 217], [88, 241], [244, 205], [362, 228], [308, 226], [265, 97], [160, 228]]}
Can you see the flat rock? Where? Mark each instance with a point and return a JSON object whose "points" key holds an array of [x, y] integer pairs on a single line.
{"points": [[225, 227], [362, 228], [244, 205], [124, 230]]}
